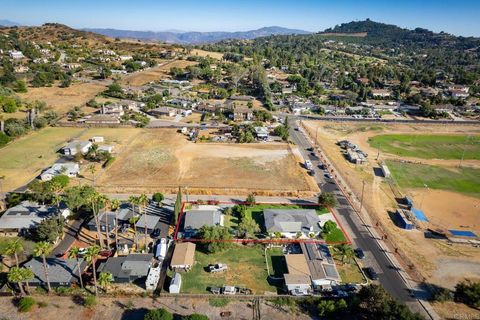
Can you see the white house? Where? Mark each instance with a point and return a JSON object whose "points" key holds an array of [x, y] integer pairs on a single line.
{"points": [[291, 223], [72, 148], [70, 169], [16, 54], [380, 93], [261, 133], [97, 139], [113, 109]]}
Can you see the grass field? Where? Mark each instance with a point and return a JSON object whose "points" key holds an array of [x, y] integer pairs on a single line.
{"points": [[25, 158], [277, 265], [429, 146], [246, 268], [349, 272], [462, 180], [154, 74]]}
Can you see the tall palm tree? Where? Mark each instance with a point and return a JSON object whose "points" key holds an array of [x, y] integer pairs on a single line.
{"points": [[91, 257], [95, 200], [114, 205], [134, 201], [14, 247], [74, 253], [27, 275], [104, 279], [142, 203], [42, 249], [92, 170], [15, 275], [344, 252]]}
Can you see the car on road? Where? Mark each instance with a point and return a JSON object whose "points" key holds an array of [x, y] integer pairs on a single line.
{"points": [[359, 253], [296, 129], [310, 149], [327, 175], [308, 165], [311, 173], [321, 166], [371, 273], [155, 233]]}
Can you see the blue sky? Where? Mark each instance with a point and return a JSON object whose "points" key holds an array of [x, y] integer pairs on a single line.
{"points": [[459, 17]]}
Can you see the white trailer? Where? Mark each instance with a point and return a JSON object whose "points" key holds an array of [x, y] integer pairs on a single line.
{"points": [[161, 250], [153, 278]]}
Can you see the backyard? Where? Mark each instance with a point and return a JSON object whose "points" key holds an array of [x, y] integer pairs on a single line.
{"points": [[246, 268]]}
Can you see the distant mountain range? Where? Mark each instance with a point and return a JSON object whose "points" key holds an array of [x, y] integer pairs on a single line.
{"points": [[8, 23], [181, 37]]}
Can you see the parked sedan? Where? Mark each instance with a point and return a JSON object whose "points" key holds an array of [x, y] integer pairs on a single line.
{"points": [[371, 273], [359, 253]]}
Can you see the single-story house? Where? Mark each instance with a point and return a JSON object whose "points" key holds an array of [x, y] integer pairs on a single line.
{"points": [[113, 109], [128, 268], [70, 169], [197, 218], [151, 222], [97, 139], [106, 148], [61, 273], [242, 114], [297, 280], [72, 148], [323, 271], [183, 256], [292, 222], [261, 133], [163, 111], [176, 283], [380, 93], [27, 215]]}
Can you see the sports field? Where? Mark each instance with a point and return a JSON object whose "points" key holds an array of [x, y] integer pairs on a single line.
{"points": [[429, 146], [412, 175]]}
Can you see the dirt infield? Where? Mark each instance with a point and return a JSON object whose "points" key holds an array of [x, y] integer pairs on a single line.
{"points": [[154, 74], [164, 159], [444, 208], [63, 99]]}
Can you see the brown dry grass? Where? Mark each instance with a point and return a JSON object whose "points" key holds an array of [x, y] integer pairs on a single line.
{"points": [[154, 74], [455, 311], [63, 99], [203, 53], [162, 158], [445, 206]]}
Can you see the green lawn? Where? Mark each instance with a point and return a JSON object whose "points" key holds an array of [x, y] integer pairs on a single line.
{"points": [[349, 272], [462, 180], [336, 236], [277, 266], [246, 268], [429, 146]]}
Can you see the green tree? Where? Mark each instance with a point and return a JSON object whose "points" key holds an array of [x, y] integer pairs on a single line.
{"points": [[250, 201], [327, 200], [142, 204], [216, 236], [158, 314], [196, 316], [468, 292], [158, 197], [49, 229], [329, 226], [248, 228], [15, 275], [21, 86], [282, 132], [74, 253], [344, 252], [133, 200], [42, 249], [178, 205], [27, 276], [91, 257], [104, 279]]}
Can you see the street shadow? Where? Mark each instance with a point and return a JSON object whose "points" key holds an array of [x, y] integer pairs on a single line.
{"points": [[135, 314], [377, 171]]}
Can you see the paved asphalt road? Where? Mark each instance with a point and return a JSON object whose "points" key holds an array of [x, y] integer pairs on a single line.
{"points": [[375, 257]]}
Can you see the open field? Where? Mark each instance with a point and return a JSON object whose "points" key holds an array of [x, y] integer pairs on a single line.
{"points": [[154, 74], [429, 146], [349, 272], [412, 175], [445, 207], [246, 268], [63, 99], [203, 53], [25, 158], [163, 160]]}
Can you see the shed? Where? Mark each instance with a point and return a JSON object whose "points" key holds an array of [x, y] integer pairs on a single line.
{"points": [[403, 219], [183, 256], [385, 171], [175, 284]]}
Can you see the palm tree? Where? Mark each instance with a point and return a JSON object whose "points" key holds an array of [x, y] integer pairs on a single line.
{"points": [[74, 253], [104, 279], [13, 248], [142, 203], [345, 252], [114, 205], [15, 275], [27, 275], [42, 249], [92, 170], [91, 257], [134, 201], [95, 200]]}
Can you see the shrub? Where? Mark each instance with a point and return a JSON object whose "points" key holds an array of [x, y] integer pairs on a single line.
{"points": [[89, 301], [4, 139], [218, 302], [196, 316], [42, 304], [157, 197], [158, 314], [442, 295], [468, 292], [26, 304]]}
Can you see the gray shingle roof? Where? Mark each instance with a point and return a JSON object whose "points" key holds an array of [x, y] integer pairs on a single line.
{"points": [[59, 270], [195, 219], [25, 215], [291, 220], [130, 267], [152, 221]]}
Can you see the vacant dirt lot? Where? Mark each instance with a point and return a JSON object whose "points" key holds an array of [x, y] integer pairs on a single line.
{"points": [[63, 99], [444, 208], [164, 159], [203, 53], [117, 308], [154, 74]]}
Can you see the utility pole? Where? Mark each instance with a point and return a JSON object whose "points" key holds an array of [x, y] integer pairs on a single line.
{"points": [[361, 200], [316, 137], [463, 153]]}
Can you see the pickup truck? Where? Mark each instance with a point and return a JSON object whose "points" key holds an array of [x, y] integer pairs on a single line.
{"points": [[218, 267], [308, 165]]}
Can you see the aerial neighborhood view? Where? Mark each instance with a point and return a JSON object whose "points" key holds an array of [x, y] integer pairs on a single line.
{"points": [[195, 160]]}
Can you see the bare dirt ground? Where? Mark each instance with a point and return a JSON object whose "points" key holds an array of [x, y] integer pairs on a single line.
{"points": [[203, 53], [163, 159], [63, 99], [116, 308], [427, 255], [154, 74]]}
